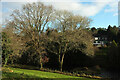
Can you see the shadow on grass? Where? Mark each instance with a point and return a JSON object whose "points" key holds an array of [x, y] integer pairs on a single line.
{"points": [[16, 76], [46, 79]]}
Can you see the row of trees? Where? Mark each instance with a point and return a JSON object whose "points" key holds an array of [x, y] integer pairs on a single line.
{"points": [[37, 30], [111, 54], [112, 33]]}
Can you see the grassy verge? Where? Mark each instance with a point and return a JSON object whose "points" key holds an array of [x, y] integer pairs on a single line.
{"points": [[37, 75]]}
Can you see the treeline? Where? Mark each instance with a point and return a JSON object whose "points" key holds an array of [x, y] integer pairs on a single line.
{"points": [[111, 33], [41, 36], [108, 57], [44, 37]]}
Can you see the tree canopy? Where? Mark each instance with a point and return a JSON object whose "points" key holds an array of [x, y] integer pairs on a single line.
{"points": [[38, 28]]}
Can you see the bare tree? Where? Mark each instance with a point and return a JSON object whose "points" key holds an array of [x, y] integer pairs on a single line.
{"points": [[67, 21], [30, 23], [11, 45], [70, 35]]}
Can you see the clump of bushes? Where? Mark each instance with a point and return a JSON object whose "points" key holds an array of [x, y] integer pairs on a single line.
{"points": [[7, 70], [82, 74], [113, 56]]}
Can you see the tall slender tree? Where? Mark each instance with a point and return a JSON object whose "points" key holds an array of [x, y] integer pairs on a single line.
{"points": [[70, 35], [30, 22]]}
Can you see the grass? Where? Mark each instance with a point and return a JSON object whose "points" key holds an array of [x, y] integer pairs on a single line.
{"points": [[38, 75]]}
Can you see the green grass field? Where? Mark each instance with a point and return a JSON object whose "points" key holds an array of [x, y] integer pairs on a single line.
{"points": [[37, 75]]}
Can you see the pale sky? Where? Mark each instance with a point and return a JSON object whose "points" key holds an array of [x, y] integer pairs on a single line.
{"points": [[102, 12]]}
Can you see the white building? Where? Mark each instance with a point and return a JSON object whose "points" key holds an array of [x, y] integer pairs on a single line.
{"points": [[100, 41]]}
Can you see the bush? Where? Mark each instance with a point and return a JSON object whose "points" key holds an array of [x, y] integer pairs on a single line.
{"points": [[113, 57], [7, 70]]}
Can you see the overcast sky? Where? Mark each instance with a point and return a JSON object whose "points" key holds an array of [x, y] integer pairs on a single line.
{"points": [[102, 12]]}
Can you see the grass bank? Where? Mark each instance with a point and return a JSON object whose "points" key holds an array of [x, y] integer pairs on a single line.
{"points": [[17, 73]]}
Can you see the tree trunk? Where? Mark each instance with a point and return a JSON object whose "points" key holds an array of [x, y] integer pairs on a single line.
{"points": [[6, 60], [41, 64], [12, 61], [59, 57], [61, 63]]}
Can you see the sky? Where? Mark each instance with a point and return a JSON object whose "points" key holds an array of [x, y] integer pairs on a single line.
{"points": [[102, 12]]}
